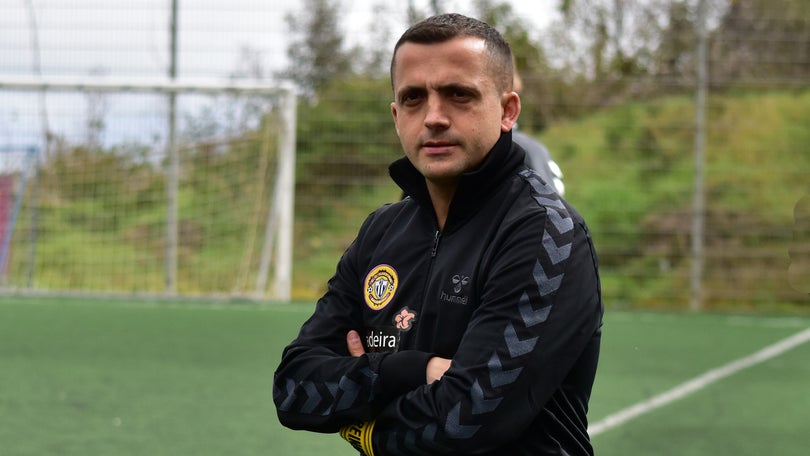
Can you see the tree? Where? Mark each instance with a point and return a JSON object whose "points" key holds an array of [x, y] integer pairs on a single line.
{"points": [[376, 59], [760, 40], [675, 56], [317, 54], [620, 35], [530, 61]]}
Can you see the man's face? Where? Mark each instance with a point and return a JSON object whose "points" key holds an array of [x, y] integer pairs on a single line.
{"points": [[447, 109]]}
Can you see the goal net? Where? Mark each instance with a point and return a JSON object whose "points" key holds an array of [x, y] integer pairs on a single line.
{"points": [[150, 187]]}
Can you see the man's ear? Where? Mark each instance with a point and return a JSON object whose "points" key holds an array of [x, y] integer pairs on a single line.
{"points": [[394, 114], [511, 110]]}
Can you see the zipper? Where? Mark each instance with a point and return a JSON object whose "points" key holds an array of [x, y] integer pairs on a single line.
{"points": [[436, 238]]}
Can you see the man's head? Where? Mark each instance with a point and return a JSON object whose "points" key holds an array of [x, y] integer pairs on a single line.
{"points": [[444, 27], [452, 81]]}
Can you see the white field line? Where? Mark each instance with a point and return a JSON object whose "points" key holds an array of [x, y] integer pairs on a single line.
{"points": [[697, 383]]}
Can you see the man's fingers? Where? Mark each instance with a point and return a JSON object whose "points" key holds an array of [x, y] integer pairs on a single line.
{"points": [[354, 343], [436, 368]]}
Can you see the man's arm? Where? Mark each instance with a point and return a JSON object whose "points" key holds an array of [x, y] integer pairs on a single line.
{"points": [[436, 366], [318, 385]]}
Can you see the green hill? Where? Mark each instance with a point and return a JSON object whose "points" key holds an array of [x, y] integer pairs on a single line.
{"points": [[630, 171]]}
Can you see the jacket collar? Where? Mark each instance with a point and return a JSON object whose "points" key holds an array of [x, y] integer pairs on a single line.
{"points": [[473, 186]]}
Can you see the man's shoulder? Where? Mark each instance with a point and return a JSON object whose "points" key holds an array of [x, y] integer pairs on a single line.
{"points": [[388, 212], [544, 196]]}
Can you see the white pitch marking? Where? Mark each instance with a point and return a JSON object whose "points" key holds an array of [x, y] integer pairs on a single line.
{"points": [[697, 383]]}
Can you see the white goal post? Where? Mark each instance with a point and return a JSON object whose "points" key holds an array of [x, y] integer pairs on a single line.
{"points": [[278, 235]]}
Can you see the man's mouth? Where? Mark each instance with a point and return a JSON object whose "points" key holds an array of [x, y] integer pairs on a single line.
{"points": [[437, 146]]}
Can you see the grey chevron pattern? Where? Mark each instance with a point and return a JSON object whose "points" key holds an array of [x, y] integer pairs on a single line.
{"points": [[550, 201], [557, 254], [454, 428], [350, 390], [530, 316], [479, 403], [497, 375], [324, 398], [545, 284], [291, 396], [562, 222], [516, 346], [333, 388], [313, 397]]}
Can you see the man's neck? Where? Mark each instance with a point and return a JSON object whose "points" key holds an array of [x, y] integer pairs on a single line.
{"points": [[440, 197]]}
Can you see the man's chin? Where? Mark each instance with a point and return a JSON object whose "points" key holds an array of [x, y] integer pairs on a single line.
{"points": [[446, 179]]}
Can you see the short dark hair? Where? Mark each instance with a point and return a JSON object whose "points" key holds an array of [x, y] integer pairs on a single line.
{"points": [[444, 27]]}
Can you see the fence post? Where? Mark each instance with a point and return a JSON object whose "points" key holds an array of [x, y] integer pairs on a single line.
{"points": [[699, 204], [174, 166]]}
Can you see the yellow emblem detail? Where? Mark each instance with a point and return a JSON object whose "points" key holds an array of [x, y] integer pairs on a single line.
{"points": [[381, 284]]}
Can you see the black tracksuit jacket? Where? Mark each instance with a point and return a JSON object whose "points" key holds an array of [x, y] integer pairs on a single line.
{"points": [[509, 290]]}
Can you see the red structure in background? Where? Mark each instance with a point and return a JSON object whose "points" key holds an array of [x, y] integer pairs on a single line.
{"points": [[6, 207]]}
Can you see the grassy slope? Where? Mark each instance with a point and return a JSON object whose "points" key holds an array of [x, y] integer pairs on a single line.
{"points": [[629, 170]]}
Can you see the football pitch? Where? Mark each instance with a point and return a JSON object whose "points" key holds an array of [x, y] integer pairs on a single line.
{"points": [[129, 377]]}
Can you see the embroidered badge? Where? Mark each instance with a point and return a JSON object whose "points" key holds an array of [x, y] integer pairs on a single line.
{"points": [[404, 319], [381, 284]]}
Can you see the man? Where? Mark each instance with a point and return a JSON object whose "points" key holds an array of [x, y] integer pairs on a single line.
{"points": [[464, 319]]}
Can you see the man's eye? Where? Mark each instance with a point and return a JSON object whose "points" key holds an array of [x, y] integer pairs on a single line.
{"points": [[410, 98]]}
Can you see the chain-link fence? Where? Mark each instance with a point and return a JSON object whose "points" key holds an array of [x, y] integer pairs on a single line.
{"points": [[626, 138]]}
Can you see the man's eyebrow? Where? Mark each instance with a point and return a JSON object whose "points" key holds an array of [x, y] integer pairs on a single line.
{"points": [[409, 89], [456, 87]]}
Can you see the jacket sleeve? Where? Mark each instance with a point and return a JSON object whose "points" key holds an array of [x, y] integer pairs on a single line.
{"points": [[318, 386], [540, 306]]}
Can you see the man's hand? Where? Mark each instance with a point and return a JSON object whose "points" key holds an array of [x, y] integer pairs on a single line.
{"points": [[354, 343], [436, 366]]}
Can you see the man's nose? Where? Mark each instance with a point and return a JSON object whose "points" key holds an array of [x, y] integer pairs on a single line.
{"points": [[436, 116]]}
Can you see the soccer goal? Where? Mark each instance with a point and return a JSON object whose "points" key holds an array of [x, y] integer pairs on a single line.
{"points": [[153, 186]]}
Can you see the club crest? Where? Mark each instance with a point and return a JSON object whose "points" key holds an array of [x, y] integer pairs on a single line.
{"points": [[381, 283]]}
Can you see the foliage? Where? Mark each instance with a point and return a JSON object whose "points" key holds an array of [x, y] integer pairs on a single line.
{"points": [[101, 175], [629, 171], [317, 52], [762, 39], [618, 120], [530, 62], [347, 152], [99, 210]]}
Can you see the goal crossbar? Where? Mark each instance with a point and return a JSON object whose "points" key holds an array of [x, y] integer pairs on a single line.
{"points": [[159, 85]]}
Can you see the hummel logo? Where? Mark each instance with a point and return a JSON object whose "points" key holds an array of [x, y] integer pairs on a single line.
{"points": [[459, 281]]}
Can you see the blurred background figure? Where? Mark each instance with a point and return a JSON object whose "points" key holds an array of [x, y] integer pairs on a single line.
{"points": [[538, 157]]}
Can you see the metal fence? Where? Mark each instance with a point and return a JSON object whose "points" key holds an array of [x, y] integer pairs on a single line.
{"points": [[646, 172]]}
